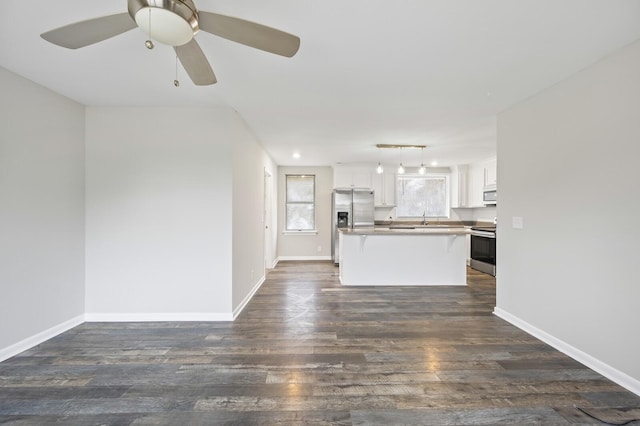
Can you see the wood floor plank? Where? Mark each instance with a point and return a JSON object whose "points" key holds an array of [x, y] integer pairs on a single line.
{"points": [[308, 351], [480, 416]]}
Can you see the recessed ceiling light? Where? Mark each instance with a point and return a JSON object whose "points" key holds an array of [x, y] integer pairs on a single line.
{"points": [[434, 163], [296, 155]]}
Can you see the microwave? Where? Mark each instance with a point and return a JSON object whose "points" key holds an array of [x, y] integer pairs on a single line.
{"points": [[489, 197]]}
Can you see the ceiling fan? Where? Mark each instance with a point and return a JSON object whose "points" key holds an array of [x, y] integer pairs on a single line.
{"points": [[175, 23]]}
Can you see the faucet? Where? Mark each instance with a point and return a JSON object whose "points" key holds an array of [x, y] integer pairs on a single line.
{"points": [[424, 217]]}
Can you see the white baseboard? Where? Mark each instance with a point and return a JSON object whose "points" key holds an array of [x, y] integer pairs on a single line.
{"points": [[247, 298], [158, 317], [275, 263], [606, 370], [304, 258], [36, 339]]}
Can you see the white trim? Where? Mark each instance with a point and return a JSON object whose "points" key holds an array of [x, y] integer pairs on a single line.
{"points": [[246, 300], [159, 317], [309, 232], [275, 263], [366, 284], [303, 258], [595, 364], [36, 339]]}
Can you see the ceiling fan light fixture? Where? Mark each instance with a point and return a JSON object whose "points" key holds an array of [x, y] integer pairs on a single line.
{"points": [[165, 26]]}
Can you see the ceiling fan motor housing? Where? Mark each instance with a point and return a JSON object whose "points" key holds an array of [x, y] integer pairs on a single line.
{"points": [[171, 22]]}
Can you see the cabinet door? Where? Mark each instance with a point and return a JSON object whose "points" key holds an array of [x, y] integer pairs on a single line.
{"points": [[378, 189], [342, 178], [476, 186], [459, 186], [390, 189], [491, 173], [352, 177], [361, 178]]}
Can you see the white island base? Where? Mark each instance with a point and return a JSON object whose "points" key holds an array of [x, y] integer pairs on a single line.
{"points": [[403, 258]]}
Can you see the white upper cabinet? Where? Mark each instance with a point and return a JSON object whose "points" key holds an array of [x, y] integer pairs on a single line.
{"points": [[476, 185], [459, 186], [384, 186], [468, 182], [352, 177], [491, 173]]}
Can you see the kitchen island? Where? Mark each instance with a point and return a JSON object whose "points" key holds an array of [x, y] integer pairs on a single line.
{"points": [[420, 256]]}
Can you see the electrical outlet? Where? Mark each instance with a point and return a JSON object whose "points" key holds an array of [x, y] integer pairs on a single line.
{"points": [[319, 248]]}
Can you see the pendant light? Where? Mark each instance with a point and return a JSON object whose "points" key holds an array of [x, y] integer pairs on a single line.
{"points": [[401, 169], [422, 169]]}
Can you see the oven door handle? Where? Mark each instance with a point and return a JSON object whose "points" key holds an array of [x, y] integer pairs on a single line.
{"points": [[483, 234]]}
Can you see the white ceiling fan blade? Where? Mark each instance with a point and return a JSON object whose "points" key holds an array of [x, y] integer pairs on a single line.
{"points": [[249, 33], [195, 63], [85, 33]]}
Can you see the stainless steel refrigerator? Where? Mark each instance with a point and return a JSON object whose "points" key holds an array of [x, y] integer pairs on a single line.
{"points": [[352, 208]]}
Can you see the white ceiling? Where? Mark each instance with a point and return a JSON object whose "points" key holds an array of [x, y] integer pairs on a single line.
{"points": [[432, 72]]}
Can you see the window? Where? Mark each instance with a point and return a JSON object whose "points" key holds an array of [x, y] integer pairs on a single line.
{"points": [[300, 203], [423, 195]]}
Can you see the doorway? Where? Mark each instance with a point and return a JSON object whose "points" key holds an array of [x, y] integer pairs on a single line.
{"points": [[267, 221]]}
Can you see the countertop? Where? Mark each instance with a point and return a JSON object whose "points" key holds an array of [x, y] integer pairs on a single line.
{"points": [[419, 230]]}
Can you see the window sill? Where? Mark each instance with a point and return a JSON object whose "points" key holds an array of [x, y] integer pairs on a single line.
{"points": [[309, 232]]}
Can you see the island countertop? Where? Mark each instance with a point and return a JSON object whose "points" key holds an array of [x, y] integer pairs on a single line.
{"points": [[419, 230]]}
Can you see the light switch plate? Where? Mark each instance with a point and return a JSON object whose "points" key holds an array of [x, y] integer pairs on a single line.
{"points": [[517, 222]]}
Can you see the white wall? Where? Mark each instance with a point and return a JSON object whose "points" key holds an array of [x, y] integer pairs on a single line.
{"points": [[158, 213], [568, 165], [306, 246], [250, 162], [41, 213]]}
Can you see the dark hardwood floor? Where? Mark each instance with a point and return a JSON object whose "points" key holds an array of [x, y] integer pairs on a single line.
{"points": [[309, 351]]}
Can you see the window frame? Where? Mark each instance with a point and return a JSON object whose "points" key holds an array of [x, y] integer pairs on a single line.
{"points": [[447, 195], [295, 231]]}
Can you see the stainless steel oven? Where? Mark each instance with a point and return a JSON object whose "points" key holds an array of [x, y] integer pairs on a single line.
{"points": [[483, 249]]}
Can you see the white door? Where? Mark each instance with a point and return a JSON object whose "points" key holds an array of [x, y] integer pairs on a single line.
{"points": [[267, 216]]}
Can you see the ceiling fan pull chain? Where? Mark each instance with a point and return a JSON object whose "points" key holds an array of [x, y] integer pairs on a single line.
{"points": [[176, 82], [149, 43]]}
